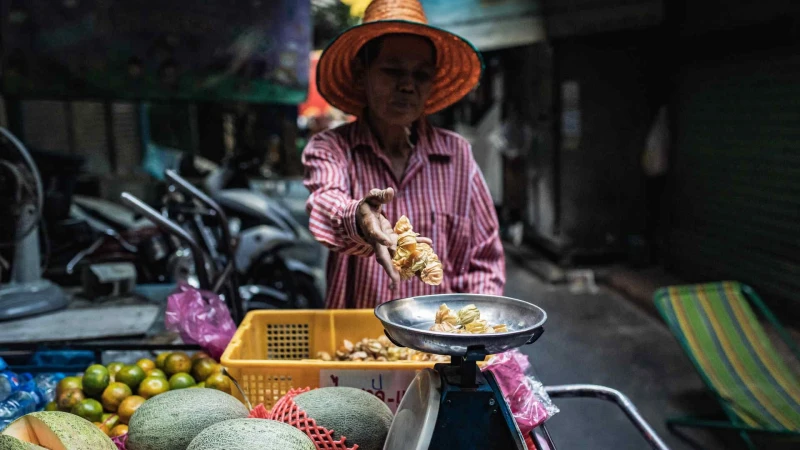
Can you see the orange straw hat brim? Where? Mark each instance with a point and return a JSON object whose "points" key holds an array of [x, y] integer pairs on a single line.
{"points": [[459, 65]]}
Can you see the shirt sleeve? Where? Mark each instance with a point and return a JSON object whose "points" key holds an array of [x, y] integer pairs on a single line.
{"points": [[486, 272], [332, 213]]}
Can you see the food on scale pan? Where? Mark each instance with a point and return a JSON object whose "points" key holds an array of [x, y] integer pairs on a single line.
{"points": [[415, 258], [466, 321], [56, 430], [247, 434], [380, 349]]}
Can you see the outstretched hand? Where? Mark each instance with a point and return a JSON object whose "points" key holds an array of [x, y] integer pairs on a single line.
{"points": [[379, 232]]}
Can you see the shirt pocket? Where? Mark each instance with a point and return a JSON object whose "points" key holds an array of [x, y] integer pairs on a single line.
{"points": [[451, 241]]}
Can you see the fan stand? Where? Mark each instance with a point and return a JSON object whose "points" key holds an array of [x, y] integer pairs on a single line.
{"points": [[28, 293]]}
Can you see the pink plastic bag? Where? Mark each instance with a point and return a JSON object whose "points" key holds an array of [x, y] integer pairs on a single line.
{"points": [[201, 318], [525, 395]]}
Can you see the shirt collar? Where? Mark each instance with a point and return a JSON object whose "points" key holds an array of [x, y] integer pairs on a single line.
{"points": [[426, 142]]}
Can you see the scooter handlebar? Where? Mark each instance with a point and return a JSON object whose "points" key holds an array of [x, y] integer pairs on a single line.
{"points": [[192, 191], [172, 228]]}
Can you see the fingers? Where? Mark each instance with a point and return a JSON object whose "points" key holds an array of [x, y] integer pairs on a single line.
{"points": [[382, 255], [378, 197], [388, 230], [424, 240], [373, 232]]}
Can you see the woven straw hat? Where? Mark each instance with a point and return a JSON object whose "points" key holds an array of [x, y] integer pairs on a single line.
{"points": [[458, 67]]}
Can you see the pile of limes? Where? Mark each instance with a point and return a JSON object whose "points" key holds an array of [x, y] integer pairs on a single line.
{"points": [[109, 395]]}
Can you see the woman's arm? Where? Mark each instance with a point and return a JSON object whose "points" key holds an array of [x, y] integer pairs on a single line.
{"points": [[332, 212]]}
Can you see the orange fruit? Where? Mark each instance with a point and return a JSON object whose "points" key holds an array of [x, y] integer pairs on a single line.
{"points": [[130, 375], [177, 363], [160, 360], [181, 381], [219, 382], [146, 364], [113, 368], [119, 430], [102, 428], [200, 355], [90, 409], [114, 394], [156, 373], [128, 407], [68, 383], [152, 386], [203, 368], [69, 398]]}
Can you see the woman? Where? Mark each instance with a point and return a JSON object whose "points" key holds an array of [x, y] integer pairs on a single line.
{"points": [[390, 72]]}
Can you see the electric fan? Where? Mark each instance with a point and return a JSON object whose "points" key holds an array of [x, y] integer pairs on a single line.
{"points": [[21, 202]]}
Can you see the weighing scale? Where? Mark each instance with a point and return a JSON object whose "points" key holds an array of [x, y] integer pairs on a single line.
{"points": [[454, 405]]}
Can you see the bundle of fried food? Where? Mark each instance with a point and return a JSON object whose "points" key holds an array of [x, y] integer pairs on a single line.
{"points": [[380, 349], [415, 258], [467, 320]]}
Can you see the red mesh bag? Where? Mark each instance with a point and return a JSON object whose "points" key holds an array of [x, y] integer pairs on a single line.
{"points": [[287, 411], [259, 412]]}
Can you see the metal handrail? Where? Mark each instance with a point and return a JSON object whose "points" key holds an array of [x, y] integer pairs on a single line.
{"points": [[611, 395]]}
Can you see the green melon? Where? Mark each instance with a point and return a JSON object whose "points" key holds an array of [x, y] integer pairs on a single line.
{"points": [[248, 434], [170, 421], [58, 430], [357, 415], [12, 443]]}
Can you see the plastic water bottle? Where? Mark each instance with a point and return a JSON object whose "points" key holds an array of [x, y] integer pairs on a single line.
{"points": [[22, 402], [9, 384], [47, 383]]}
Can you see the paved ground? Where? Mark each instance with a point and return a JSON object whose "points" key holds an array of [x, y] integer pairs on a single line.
{"points": [[603, 338]]}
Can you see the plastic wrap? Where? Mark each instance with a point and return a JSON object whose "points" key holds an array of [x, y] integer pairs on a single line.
{"points": [[201, 318], [529, 402]]}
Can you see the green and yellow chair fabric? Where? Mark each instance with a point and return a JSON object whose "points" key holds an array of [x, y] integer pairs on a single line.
{"points": [[719, 331]]}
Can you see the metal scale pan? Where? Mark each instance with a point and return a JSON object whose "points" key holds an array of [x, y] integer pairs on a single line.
{"points": [[407, 322]]}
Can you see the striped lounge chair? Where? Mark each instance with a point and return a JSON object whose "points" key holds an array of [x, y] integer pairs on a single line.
{"points": [[716, 326]]}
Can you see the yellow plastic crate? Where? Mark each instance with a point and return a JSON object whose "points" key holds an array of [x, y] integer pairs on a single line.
{"points": [[271, 350]]}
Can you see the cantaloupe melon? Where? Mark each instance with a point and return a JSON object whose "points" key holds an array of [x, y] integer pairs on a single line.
{"points": [[357, 415], [56, 430], [12, 443], [170, 421], [249, 434]]}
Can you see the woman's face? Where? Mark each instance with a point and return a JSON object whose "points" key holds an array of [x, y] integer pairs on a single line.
{"points": [[398, 80]]}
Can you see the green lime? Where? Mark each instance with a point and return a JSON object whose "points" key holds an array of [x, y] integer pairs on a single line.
{"points": [[157, 373], [114, 394], [52, 406], [95, 380], [152, 386], [161, 358], [90, 409], [131, 375], [67, 384], [181, 381], [113, 368]]}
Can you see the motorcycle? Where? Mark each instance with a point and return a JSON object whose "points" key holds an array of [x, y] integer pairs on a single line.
{"points": [[275, 252]]}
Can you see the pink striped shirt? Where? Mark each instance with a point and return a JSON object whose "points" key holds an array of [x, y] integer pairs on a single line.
{"points": [[442, 192]]}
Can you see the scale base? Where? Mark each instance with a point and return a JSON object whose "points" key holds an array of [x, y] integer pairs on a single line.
{"points": [[473, 417], [442, 409]]}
